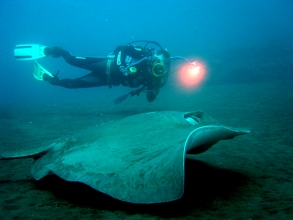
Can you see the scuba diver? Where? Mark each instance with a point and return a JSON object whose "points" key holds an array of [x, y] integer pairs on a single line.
{"points": [[138, 67]]}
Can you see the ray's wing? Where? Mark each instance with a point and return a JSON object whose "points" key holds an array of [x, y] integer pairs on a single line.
{"points": [[138, 159]]}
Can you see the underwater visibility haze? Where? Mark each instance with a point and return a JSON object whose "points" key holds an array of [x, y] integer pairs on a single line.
{"points": [[233, 75]]}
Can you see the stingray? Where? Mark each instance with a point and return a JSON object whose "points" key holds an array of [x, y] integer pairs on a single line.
{"points": [[137, 159]]}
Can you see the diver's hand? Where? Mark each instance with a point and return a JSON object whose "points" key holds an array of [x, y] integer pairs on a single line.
{"points": [[152, 94]]}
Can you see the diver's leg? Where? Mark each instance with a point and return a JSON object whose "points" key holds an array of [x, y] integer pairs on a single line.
{"points": [[89, 63], [92, 79]]}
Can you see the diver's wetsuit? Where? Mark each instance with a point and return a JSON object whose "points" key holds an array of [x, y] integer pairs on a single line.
{"points": [[124, 55]]}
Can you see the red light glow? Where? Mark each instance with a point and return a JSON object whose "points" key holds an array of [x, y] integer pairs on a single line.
{"points": [[191, 75]]}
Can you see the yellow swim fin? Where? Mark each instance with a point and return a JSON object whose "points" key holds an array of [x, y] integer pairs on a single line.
{"points": [[39, 71], [29, 51]]}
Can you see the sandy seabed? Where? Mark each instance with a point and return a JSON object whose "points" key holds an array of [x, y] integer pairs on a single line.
{"points": [[249, 177]]}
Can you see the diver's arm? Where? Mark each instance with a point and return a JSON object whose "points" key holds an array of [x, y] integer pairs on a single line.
{"points": [[163, 80], [153, 89]]}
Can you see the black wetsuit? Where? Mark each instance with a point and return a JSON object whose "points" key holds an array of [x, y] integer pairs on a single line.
{"points": [[100, 76]]}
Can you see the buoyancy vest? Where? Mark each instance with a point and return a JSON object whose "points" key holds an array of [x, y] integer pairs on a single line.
{"points": [[126, 55]]}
